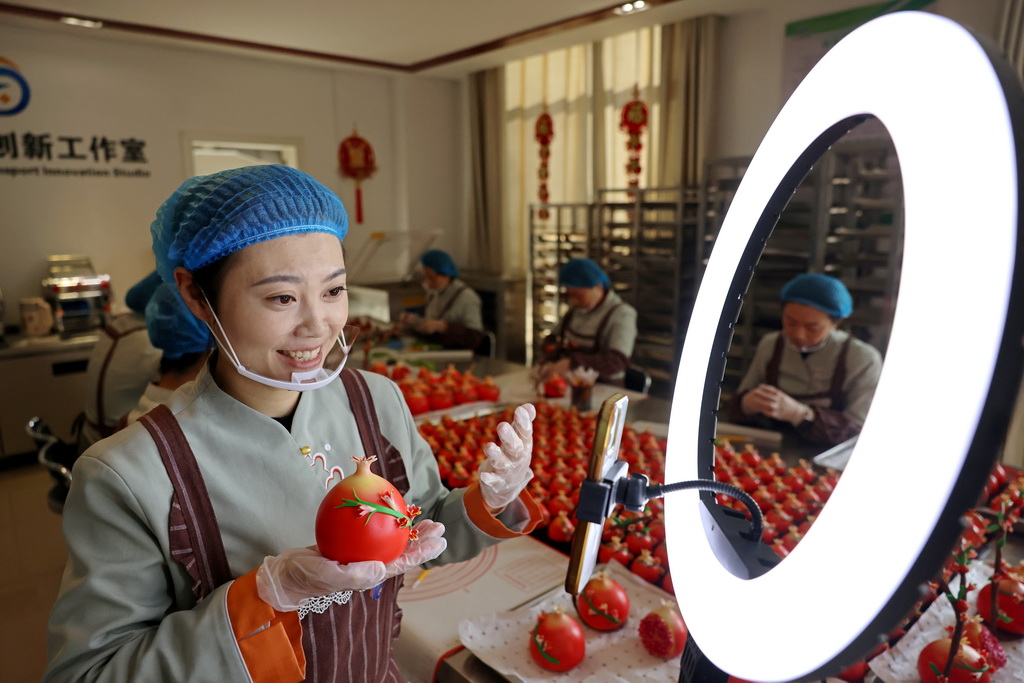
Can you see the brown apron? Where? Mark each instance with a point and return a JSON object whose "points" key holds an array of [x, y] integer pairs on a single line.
{"points": [[835, 395], [566, 346], [350, 642], [116, 335]]}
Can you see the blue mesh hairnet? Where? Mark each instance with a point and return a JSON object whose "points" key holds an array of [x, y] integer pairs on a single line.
{"points": [[823, 292], [582, 272], [172, 327], [211, 216], [439, 262], [138, 296]]}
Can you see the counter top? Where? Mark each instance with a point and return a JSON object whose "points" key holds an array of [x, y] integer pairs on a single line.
{"points": [[18, 347]]}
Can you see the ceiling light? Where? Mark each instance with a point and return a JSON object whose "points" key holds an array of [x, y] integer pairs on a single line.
{"points": [[631, 8], [84, 23]]}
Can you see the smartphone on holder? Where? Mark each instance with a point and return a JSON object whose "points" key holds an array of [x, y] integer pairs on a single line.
{"points": [[605, 453]]}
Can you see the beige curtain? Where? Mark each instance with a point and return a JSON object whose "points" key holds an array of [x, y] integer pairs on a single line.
{"points": [[1011, 40], [688, 98], [560, 82], [623, 63], [1011, 33], [486, 104]]}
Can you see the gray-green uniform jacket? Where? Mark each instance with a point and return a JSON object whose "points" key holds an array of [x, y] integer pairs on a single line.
{"points": [[808, 378], [460, 307], [601, 338], [457, 303], [126, 611]]}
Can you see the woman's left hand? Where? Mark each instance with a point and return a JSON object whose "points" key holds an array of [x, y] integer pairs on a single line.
{"points": [[506, 471]]}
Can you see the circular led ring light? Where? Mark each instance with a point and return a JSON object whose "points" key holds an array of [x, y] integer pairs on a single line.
{"points": [[952, 366]]}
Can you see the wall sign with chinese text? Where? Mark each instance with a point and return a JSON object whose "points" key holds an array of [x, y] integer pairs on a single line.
{"points": [[34, 153]]}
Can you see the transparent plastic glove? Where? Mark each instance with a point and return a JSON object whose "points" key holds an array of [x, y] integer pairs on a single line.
{"points": [[507, 469], [429, 544], [777, 404], [284, 581]]}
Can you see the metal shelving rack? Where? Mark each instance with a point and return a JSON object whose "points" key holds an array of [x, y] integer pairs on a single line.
{"points": [[564, 234], [647, 241], [845, 219]]}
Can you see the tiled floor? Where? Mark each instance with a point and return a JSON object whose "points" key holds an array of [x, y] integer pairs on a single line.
{"points": [[32, 557]]}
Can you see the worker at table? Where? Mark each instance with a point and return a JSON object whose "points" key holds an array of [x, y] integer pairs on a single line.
{"points": [[811, 377], [598, 331], [184, 341], [192, 553], [121, 364], [452, 310]]}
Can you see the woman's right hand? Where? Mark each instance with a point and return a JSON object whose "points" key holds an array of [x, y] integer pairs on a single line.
{"points": [[285, 581]]}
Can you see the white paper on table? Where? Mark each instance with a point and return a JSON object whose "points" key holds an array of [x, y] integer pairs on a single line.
{"points": [[502, 640], [899, 663]]}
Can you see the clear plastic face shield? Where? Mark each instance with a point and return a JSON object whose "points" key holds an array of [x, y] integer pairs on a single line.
{"points": [[332, 365]]}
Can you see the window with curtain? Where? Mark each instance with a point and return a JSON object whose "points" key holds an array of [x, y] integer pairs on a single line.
{"points": [[583, 88]]}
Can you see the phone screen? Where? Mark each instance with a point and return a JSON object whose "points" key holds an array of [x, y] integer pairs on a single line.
{"points": [[605, 452]]}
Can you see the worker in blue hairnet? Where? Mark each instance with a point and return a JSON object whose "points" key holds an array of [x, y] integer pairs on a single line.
{"points": [[192, 554], [811, 377], [452, 311], [122, 363], [182, 338], [598, 331]]}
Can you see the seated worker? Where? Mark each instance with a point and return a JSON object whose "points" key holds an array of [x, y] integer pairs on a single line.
{"points": [[811, 377], [452, 314], [121, 365], [598, 331], [184, 340]]}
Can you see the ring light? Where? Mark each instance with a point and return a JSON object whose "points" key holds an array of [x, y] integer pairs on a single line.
{"points": [[953, 108]]}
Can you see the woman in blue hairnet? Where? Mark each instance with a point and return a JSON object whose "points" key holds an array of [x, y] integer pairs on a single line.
{"points": [[452, 311], [190, 534], [184, 341], [598, 331], [811, 377]]}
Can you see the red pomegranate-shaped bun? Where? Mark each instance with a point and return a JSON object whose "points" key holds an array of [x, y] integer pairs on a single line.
{"points": [[363, 517]]}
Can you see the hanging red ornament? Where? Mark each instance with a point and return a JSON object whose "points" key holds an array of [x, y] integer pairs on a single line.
{"points": [[633, 123], [357, 161], [544, 132]]}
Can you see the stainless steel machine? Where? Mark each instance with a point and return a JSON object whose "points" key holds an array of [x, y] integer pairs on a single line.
{"points": [[80, 296]]}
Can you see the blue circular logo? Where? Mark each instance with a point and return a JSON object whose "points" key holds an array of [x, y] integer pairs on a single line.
{"points": [[14, 92]]}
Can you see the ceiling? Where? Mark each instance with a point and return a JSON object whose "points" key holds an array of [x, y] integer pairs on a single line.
{"points": [[436, 37]]}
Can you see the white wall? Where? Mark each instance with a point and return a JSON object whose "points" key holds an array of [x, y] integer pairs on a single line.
{"points": [[84, 86], [752, 64]]}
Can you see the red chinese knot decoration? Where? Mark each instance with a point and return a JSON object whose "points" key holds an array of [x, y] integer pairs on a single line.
{"points": [[544, 132], [633, 123], [357, 161]]}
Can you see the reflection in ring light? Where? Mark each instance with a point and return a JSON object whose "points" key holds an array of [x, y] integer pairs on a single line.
{"points": [[950, 103]]}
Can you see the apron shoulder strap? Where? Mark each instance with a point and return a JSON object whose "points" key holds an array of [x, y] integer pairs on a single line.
{"points": [[604, 323], [771, 372], [458, 292], [389, 462], [839, 376], [194, 533]]}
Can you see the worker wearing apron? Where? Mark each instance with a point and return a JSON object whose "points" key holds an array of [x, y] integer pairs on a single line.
{"points": [[598, 331], [452, 310], [183, 339], [811, 377], [190, 534], [122, 363]]}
